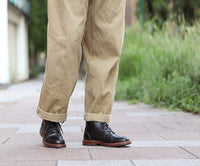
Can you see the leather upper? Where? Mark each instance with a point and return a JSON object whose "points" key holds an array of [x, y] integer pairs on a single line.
{"points": [[51, 132], [100, 131]]}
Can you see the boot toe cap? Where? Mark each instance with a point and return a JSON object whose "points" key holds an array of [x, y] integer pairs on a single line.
{"points": [[54, 140]]}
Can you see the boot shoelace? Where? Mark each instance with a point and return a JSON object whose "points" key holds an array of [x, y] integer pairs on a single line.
{"points": [[105, 125], [55, 127]]}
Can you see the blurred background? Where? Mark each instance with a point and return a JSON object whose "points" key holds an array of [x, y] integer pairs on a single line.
{"points": [[160, 61]]}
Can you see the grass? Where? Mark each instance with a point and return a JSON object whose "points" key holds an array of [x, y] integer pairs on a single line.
{"points": [[161, 67]]}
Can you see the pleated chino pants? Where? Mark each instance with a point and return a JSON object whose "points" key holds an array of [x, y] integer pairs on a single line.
{"points": [[99, 25]]}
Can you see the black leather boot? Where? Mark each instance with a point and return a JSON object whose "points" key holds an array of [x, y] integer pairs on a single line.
{"points": [[51, 134], [99, 133]]}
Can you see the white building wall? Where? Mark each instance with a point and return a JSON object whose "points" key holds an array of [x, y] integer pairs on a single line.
{"points": [[12, 29], [22, 51], [4, 58], [14, 63]]}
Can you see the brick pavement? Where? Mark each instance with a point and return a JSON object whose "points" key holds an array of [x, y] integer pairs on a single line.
{"points": [[160, 137]]}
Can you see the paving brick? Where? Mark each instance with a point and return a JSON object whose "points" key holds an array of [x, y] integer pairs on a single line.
{"points": [[145, 137], [5, 135], [174, 134], [95, 163], [128, 153], [166, 143], [43, 154], [171, 162], [29, 163], [34, 128], [193, 150]]}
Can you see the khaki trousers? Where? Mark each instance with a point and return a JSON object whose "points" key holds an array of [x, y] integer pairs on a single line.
{"points": [[99, 24]]}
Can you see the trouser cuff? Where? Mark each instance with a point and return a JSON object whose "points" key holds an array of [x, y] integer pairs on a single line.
{"points": [[50, 116], [96, 117]]}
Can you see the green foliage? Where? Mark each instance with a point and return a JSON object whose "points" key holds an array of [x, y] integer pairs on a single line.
{"points": [[160, 10], [189, 8], [36, 70], [160, 68], [38, 27]]}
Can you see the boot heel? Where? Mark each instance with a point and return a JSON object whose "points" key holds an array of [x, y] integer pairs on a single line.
{"points": [[90, 142], [41, 133]]}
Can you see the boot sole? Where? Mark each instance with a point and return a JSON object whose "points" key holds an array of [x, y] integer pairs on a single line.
{"points": [[54, 145], [100, 143]]}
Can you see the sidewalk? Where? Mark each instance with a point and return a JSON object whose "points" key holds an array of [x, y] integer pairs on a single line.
{"points": [[159, 137]]}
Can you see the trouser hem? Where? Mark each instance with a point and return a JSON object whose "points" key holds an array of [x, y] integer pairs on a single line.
{"points": [[50, 116], [96, 117]]}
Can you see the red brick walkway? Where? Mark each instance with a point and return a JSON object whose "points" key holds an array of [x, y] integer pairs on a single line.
{"points": [[160, 137]]}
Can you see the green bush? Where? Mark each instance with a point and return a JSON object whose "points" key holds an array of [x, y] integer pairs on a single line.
{"points": [[161, 68], [161, 10], [36, 70]]}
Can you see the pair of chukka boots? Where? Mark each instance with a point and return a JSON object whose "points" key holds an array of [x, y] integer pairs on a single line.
{"points": [[96, 133]]}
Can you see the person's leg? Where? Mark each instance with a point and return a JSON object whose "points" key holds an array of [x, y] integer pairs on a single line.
{"points": [[102, 43], [66, 23]]}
